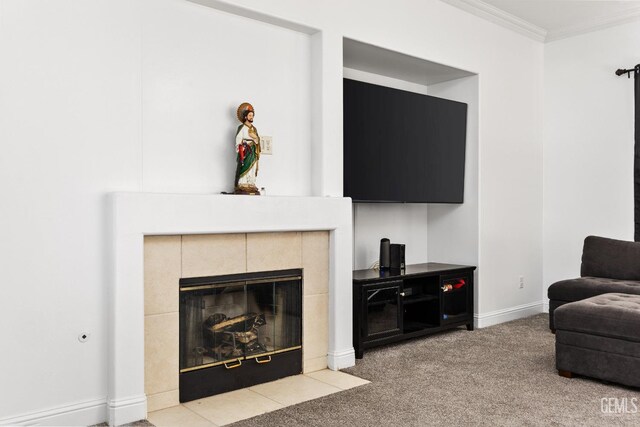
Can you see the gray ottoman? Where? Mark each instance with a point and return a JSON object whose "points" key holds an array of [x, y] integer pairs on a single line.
{"points": [[599, 337]]}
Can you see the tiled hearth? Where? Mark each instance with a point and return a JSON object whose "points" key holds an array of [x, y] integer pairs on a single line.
{"points": [[247, 403], [169, 258]]}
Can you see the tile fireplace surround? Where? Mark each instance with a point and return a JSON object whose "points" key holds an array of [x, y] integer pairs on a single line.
{"points": [[167, 259], [136, 215]]}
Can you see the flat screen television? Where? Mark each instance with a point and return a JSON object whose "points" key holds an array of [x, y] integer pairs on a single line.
{"points": [[402, 146]]}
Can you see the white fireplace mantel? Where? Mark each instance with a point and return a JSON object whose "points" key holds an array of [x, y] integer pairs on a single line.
{"points": [[134, 215]]}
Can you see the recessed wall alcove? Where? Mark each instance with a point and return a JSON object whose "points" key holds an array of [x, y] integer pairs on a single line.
{"points": [[294, 82], [431, 232]]}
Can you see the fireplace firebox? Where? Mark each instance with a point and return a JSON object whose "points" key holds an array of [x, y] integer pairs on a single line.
{"points": [[239, 330]]}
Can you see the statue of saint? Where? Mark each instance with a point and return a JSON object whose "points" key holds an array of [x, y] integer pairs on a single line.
{"points": [[248, 151]]}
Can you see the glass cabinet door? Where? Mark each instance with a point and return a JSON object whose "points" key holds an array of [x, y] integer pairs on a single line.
{"points": [[383, 314]]}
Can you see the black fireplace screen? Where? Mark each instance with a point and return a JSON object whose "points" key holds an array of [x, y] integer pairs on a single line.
{"points": [[227, 319]]}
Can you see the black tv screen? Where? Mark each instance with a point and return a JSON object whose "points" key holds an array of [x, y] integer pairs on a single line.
{"points": [[402, 146]]}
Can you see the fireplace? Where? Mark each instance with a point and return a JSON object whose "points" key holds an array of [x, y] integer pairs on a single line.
{"points": [[251, 281], [157, 239], [239, 330]]}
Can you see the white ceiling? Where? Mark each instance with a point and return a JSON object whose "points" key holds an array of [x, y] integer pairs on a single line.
{"points": [[549, 20]]}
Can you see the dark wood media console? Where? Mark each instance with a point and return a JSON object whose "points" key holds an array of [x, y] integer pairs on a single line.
{"points": [[423, 299]]}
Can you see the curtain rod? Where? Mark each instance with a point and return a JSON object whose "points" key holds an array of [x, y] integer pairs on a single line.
{"points": [[621, 71]]}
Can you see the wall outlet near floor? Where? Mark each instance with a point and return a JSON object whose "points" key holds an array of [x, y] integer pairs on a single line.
{"points": [[266, 145], [521, 282]]}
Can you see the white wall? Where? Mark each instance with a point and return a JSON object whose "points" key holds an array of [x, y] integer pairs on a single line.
{"points": [[400, 223], [103, 96], [454, 228], [99, 96], [588, 144], [510, 193], [69, 130], [198, 65]]}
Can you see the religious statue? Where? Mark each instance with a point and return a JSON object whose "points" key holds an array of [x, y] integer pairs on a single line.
{"points": [[248, 151]]}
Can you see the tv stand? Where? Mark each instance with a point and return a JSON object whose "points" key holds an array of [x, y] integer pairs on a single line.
{"points": [[423, 299]]}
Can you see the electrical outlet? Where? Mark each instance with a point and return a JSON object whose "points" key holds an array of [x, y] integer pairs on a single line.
{"points": [[266, 145], [521, 282]]}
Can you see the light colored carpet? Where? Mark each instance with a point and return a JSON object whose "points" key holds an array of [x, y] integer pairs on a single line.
{"points": [[499, 376], [141, 423]]}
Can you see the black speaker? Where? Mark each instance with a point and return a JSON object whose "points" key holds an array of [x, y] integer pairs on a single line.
{"points": [[384, 254], [397, 256]]}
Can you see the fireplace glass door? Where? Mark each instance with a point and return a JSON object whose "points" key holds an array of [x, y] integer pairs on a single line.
{"points": [[235, 319]]}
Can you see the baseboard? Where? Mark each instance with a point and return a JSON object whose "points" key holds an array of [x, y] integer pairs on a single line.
{"points": [[78, 414], [508, 314], [123, 411], [341, 359], [545, 307]]}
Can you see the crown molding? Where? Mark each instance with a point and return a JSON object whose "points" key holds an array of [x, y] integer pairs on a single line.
{"points": [[500, 17], [507, 20], [595, 24]]}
